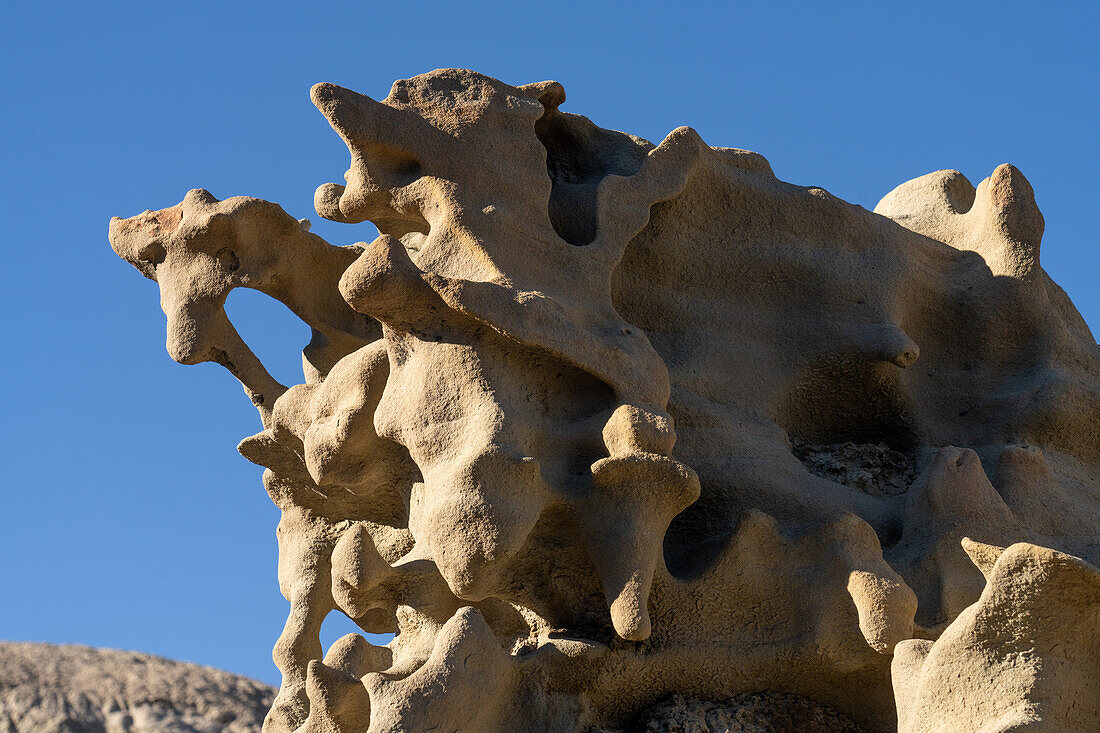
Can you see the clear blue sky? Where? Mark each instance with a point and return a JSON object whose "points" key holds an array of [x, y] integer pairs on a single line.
{"points": [[128, 519]]}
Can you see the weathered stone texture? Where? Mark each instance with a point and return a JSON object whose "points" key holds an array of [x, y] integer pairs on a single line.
{"points": [[596, 422]]}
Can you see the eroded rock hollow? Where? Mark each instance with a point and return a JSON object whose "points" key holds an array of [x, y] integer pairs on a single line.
{"points": [[597, 424]]}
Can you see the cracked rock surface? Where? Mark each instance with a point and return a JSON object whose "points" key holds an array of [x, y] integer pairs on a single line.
{"points": [[767, 712]]}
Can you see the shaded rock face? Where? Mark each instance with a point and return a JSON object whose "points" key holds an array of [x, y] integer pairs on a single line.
{"points": [[873, 469], [747, 713], [595, 422], [74, 689]]}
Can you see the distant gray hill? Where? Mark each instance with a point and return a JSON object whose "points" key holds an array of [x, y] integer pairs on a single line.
{"points": [[47, 688]]}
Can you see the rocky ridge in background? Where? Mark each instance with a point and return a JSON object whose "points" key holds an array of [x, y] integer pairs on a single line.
{"points": [[46, 688]]}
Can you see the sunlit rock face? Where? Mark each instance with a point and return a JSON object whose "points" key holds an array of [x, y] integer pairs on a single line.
{"points": [[596, 423], [1023, 657]]}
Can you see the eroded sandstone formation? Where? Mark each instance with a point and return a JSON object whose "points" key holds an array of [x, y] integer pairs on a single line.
{"points": [[596, 422], [1025, 656]]}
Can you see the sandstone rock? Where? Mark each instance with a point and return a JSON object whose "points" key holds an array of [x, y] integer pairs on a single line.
{"points": [[1026, 656], [72, 689], [595, 422]]}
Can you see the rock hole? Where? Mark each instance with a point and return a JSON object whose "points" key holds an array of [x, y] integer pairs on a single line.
{"points": [[275, 335], [578, 156], [337, 625]]}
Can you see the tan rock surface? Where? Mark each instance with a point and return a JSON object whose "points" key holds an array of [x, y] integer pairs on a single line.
{"points": [[642, 420], [46, 688], [1026, 656]]}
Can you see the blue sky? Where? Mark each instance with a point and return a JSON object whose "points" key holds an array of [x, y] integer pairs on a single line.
{"points": [[128, 518]]}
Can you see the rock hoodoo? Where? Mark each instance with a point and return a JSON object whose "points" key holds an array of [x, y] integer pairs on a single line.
{"points": [[595, 423]]}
